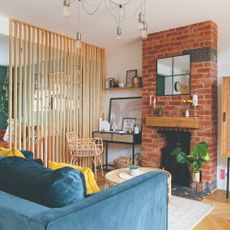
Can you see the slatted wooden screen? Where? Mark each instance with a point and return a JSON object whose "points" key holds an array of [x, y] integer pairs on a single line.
{"points": [[54, 88]]}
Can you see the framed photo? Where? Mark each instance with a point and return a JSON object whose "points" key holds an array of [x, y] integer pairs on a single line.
{"points": [[137, 82], [125, 107], [129, 76], [128, 124]]}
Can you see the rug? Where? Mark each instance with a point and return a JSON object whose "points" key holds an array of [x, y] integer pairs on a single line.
{"points": [[185, 214]]}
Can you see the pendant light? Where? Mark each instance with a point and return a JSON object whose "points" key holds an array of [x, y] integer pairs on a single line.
{"points": [[119, 32], [78, 34], [66, 5]]}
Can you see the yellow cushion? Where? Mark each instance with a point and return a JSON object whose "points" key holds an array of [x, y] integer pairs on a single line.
{"points": [[90, 182], [10, 153]]}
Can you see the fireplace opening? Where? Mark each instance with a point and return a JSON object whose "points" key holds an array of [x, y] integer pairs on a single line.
{"points": [[179, 172]]}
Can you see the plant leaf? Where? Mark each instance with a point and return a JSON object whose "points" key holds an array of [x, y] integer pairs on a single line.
{"points": [[194, 152], [176, 151], [181, 157], [196, 166]]}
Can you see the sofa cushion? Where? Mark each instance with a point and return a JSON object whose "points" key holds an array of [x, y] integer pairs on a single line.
{"points": [[1, 157], [27, 179], [27, 154], [90, 182]]}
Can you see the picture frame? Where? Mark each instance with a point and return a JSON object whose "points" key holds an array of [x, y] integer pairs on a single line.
{"points": [[136, 82], [128, 124], [129, 76], [125, 107]]}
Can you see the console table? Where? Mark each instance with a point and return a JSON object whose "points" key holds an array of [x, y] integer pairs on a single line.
{"points": [[119, 138]]}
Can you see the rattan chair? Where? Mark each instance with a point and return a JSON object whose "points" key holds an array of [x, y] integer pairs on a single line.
{"points": [[85, 152]]}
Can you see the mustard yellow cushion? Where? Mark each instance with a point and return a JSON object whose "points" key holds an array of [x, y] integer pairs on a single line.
{"points": [[90, 182], [10, 153]]}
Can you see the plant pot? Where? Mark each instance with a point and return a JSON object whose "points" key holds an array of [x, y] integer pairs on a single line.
{"points": [[196, 176], [134, 170]]}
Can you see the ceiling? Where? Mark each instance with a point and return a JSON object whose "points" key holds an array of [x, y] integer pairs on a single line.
{"points": [[100, 29]]}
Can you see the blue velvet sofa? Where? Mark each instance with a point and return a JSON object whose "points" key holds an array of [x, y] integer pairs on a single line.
{"points": [[138, 204]]}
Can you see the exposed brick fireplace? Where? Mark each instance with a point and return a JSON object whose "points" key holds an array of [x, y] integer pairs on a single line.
{"points": [[199, 40]]}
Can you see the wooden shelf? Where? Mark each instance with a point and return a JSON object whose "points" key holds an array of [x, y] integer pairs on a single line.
{"points": [[173, 122], [121, 88]]}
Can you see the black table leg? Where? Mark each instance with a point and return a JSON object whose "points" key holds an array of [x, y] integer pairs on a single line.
{"points": [[227, 190], [106, 155], [133, 153]]}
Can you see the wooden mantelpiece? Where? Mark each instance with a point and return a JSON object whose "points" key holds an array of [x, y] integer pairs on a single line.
{"points": [[173, 122]]}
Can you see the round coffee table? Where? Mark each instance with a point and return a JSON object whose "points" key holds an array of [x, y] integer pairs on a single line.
{"points": [[118, 176]]}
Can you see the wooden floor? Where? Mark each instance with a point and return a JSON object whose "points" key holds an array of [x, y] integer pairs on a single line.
{"points": [[218, 219]]}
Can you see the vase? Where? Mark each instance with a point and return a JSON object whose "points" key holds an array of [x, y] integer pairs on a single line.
{"points": [[186, 113], [196, 177]]}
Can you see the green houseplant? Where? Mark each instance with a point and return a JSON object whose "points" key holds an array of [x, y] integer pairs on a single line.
{"points": [[198, 156]]}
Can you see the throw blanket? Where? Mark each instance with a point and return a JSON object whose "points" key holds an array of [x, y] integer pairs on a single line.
{"points": [[10, 153]]}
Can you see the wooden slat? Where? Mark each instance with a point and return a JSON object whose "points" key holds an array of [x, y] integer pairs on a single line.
{"points": [[15, 84], [32, 89], [24, 87], [50, 98], [54, 99], [71, 88], [81, 93], [29, 88], [38, 93], [42, 94], [62, 104], [56, 95], [76, 90], [20, 89], [10, 83], [65, 88], [46, 95]]}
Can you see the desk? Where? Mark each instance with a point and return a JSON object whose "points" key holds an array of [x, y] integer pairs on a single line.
{"points": [[118, 138]]}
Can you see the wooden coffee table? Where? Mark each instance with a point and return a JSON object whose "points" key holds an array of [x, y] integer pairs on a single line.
{"points": [[114, 177]]}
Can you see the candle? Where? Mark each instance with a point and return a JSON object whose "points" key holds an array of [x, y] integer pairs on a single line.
{"points": [[150, 100], [154, 102]]}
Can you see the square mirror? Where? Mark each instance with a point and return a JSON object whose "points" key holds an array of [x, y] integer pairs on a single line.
{"points": [[173, 75], [165, 67]]}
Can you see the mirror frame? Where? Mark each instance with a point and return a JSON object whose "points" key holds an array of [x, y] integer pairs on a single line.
{"points": [[172, 76]]}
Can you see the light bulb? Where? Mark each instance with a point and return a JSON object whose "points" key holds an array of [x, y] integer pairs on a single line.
{"points": [[144, 34], [78, 40], [66, 5], [66, 11], [118, 32], [145, 31]]}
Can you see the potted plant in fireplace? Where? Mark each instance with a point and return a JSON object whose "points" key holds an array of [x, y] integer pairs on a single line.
{"points": [[198, 156]]}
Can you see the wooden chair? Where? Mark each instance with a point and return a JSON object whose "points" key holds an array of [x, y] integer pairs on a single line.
{"points": [[85, 152]]}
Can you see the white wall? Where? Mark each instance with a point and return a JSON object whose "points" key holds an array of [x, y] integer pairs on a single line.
{"points": [[119, 59], [223, 70], [4, 42]]}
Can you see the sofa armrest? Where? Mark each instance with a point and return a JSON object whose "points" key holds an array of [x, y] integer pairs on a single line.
{"points": [[15, 212], [138, 204]]}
